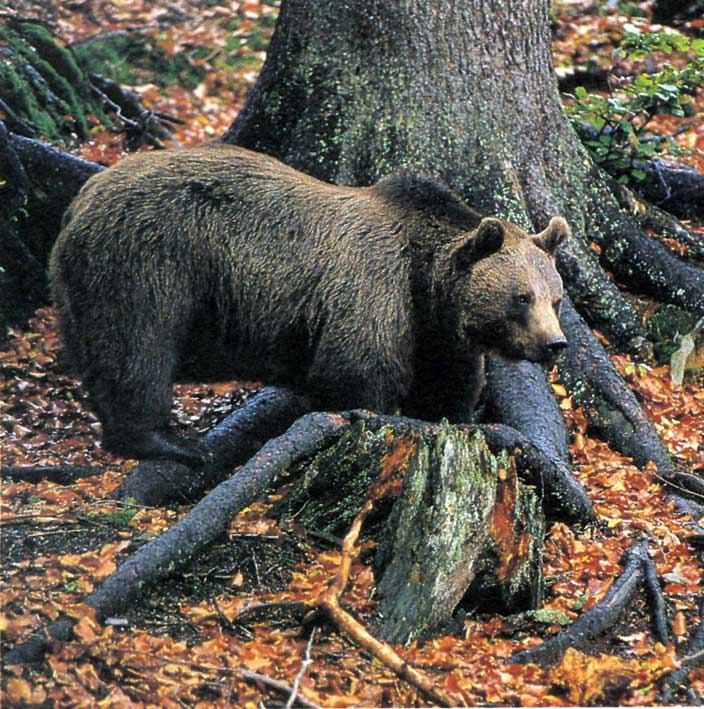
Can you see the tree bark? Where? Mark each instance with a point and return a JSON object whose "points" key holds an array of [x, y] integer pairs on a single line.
{"points": [[463, 527]]}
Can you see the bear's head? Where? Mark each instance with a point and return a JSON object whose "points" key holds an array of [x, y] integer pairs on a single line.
{"points": [[506, 291]]}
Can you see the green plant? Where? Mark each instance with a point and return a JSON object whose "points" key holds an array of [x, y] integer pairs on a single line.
{"points": [[620, 139]]}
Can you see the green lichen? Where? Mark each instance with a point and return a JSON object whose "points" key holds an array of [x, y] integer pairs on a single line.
{"points": [[665, 328]]}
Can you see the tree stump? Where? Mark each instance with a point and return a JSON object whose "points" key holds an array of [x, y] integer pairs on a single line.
{"points": [[460, 528], [463, 527]]}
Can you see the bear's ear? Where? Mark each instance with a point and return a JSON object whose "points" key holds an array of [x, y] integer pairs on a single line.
{"points": [[485, 241], [557, 231]]}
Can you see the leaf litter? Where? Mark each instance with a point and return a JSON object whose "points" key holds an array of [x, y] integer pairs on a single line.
{"points": [[182, 644]]}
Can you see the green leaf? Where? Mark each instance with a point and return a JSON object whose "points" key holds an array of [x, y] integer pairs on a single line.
{"points": [[639, 174]]}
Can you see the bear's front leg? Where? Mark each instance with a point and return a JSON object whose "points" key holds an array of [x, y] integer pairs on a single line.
{"points": [[447, 389]]}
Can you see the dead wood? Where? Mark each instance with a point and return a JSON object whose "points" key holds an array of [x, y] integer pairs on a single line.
{"points": [[463, 527]]}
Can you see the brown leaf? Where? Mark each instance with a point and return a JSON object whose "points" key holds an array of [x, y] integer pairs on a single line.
{"points": [[587, 679]]}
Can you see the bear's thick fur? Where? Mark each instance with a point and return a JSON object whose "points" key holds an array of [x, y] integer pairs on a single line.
{"points": [[216, 262]]}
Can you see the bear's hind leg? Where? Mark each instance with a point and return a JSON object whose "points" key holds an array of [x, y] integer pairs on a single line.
{"points": [[134, 411]]}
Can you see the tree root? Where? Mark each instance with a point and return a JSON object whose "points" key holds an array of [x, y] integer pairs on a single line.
{"points": [[232, 442], [696, 512], [60, 474], [678, 189], [677, 679], [608, 403], [538, 417], [638, 569], [644, 263], [197, 530], [651, 217], [55, 177]]}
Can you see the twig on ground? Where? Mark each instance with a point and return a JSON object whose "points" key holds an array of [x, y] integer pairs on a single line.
{"points": [[329, 604], [304, 666]]}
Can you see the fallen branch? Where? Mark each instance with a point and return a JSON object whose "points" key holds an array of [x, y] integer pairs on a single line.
{"points": [[329, 605], [637, 567], [60, 474], [247, 675], [207, 521]]}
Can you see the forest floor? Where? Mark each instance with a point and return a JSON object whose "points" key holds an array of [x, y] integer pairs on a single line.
{"points": [[181, 644]]}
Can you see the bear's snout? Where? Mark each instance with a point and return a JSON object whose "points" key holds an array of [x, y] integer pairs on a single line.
{"points": [[557, 345]]}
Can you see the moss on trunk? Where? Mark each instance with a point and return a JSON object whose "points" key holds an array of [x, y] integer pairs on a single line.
{"points": [[43, 86]]}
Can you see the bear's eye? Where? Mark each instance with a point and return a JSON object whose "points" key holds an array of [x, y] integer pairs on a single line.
{"points": [[524, 298]]}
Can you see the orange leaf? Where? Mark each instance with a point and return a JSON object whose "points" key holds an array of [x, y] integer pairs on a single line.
{"points": [[19, 691], [679, 626], [587, 679]]}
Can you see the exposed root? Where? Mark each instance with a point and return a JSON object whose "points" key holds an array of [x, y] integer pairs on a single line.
{"points": [[563, 496], [651, 217], [197, 530], [646, 264], [638, 567]]}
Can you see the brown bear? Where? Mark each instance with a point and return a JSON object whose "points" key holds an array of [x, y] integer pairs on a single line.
{"points": [[217, 262]]}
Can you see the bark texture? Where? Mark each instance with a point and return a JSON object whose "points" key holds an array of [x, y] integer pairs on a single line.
{"points": [[463, 525]]}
